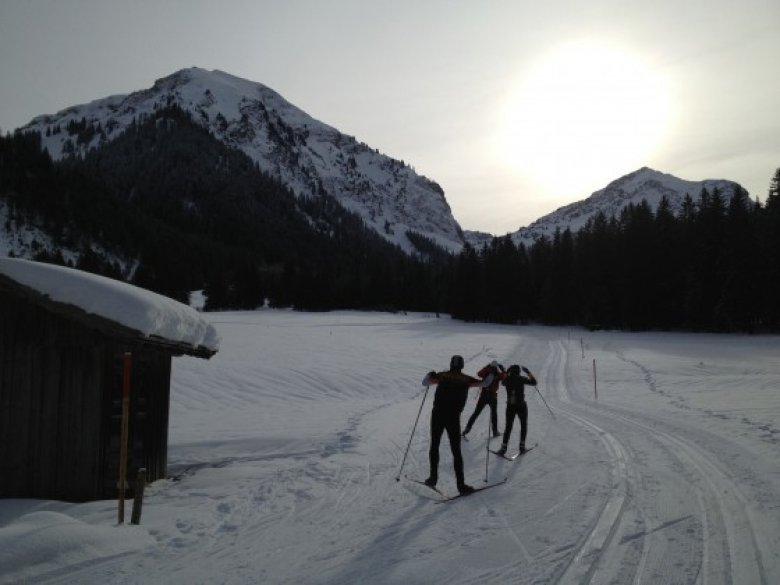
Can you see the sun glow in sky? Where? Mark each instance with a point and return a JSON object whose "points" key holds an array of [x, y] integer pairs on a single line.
{"points": [[584, 114]]}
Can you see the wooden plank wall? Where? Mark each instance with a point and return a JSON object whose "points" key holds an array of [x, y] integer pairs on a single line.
{"points": [[149, 408], [50, 387], [60, 393]]}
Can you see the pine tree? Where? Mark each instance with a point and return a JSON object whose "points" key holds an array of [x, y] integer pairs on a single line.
{"points": [[637, 288], [769, 241], [466, 288], [668, 268], [735, 309]]}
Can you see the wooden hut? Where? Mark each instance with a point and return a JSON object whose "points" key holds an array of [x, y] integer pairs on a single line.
{"points": [[61, 380]]}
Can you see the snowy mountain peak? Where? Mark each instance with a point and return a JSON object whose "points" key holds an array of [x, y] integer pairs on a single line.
{"points": [[643, 184], [307, 155]]}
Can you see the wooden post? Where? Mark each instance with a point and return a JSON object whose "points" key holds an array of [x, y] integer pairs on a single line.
{"points": [[138, 502], [595, 388], [128, 357]]}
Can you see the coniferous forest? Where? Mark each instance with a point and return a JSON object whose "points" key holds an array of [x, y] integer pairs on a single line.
{"points": [[174, 210], [169, 208], [714, 266]]}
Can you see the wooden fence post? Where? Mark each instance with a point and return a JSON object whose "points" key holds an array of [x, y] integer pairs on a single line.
{"points": [[138, 502], [128, 357], [595, 388]]}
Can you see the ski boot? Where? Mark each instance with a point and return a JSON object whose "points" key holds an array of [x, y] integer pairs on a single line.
{"points": [[465, 489]]}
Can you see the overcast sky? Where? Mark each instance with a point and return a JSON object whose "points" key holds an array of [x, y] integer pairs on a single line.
{"points": [[514, 107]]}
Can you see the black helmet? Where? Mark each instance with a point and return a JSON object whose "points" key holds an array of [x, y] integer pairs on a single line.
{"points": [[514, 370], [456, 362]]}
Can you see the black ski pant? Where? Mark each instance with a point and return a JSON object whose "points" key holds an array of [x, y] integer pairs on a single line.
{"points": [[520, 411], [446, 421], [485, 399]]}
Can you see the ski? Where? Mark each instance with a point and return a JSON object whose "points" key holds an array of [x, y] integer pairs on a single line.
{"points": [[476, 491], [515, 456], [432, 488], [504, 456]]}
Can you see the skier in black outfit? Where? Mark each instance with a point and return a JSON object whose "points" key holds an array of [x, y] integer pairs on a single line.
{"points": [[448, 402], [492, 374], [515, 404]]}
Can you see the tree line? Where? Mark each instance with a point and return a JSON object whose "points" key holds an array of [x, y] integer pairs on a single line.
{"points": [[713, 266], [168, 207]]}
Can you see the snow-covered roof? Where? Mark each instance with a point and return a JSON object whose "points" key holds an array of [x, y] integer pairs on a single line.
{"points": [[153, 316]]}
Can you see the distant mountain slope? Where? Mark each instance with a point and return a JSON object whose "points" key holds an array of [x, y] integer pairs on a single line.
{"points": [[308, 156], [170, 208], [644, 183], [477, 239]]}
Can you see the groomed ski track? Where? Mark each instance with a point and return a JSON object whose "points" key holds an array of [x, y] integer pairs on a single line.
{"points": [[643, 486], [675, 512]]}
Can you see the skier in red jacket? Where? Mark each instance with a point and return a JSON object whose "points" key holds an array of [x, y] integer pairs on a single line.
{"points": [[491, 374]]}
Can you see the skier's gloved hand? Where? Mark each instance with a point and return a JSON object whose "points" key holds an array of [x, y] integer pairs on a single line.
{"points": [[526, 370], [501, 367], [428, 380]]}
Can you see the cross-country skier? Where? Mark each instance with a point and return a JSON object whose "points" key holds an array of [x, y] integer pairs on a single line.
{"points": [[492, 373], [515, 404], [452, 389]]}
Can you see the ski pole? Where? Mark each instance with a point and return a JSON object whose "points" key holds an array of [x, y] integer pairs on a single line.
{"points": [[545, 402], [487, 445], [412, 435]]}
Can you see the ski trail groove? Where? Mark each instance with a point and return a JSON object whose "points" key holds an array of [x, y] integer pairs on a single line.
{"points": [[731, 541], [743, 554], [526, 555], [583, 563]]}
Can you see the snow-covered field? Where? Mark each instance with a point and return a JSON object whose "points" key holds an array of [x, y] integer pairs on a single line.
{"points": [[285, 448]]}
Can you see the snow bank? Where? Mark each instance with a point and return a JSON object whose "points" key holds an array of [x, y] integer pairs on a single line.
{"points": [[47, 541]]}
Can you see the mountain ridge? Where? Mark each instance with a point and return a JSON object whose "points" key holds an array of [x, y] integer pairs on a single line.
{"points": [[311, 157], [168, 207], [643, 184], [307, 155]]}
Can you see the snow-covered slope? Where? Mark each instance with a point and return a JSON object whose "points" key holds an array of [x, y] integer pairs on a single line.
{"points": [[22, 242], [477, 239], [644, 183], [307, 155], [287, 444]]}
